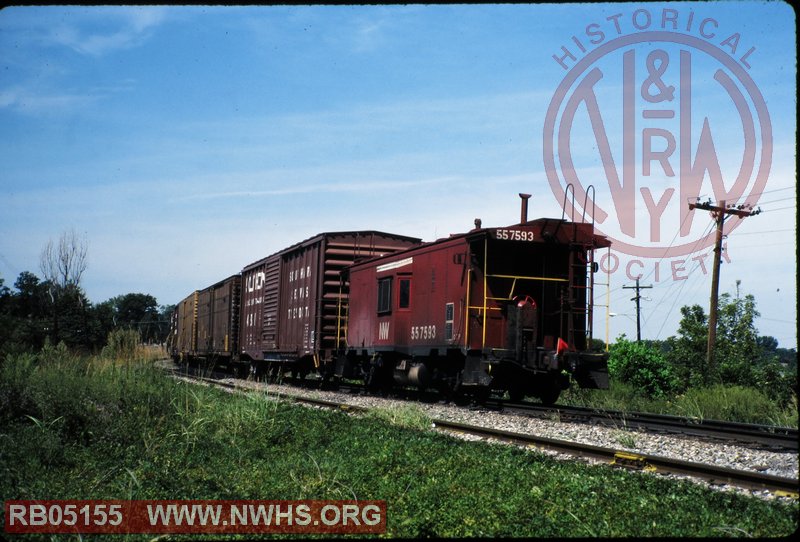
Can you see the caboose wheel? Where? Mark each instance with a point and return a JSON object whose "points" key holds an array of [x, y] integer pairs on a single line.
{"points": [[549, 396], [481, 395], [372, 381], [516, 393]]}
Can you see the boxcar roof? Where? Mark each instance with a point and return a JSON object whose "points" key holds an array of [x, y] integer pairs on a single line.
{"points": [[317, 238]]}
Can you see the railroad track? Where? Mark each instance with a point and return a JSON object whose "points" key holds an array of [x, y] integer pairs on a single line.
{"points": [[761, 436], [757, 436], [641, 462]]}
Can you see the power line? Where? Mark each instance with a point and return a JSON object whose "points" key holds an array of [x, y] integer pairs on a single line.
{"points": [[676, 297], [778, 209], [765, 231], [767, 245], [666, 295], [776, 320], [772, 191], [777, 200], [666, 250]]}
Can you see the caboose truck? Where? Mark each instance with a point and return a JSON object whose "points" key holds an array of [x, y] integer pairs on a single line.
{"points": [[493, 309]]}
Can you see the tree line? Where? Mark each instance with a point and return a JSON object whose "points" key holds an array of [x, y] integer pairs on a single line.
{"points": [[54, 308]]}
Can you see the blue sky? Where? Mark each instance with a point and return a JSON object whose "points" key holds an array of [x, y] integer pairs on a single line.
{"points": [[187, 142]]}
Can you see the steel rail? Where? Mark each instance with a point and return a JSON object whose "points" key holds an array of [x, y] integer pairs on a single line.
{"points": [[647, 463], [773, 437]]}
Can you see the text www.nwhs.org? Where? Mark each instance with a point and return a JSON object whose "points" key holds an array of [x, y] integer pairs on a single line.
{"points": [[268, 515]]}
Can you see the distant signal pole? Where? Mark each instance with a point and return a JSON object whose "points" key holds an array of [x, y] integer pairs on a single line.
{"points": [[638, 308], [718, 212]]}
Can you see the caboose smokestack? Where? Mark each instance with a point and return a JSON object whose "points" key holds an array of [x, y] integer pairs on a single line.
{"points": [[523, 217]]}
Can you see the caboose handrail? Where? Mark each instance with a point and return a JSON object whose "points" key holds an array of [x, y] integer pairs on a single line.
{"points": [[586, 200], [564, 205]]}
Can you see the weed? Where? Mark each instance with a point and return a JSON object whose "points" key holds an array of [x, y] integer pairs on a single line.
{"points": [[719, 402], [554, 416], [410, 416], [725, 402], [124, 345], [626, 439]]}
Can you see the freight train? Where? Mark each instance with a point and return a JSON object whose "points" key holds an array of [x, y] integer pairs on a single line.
{"points": [[505, 309]]}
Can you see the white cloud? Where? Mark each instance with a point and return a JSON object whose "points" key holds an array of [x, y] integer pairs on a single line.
{"points": [[97, 31], [30, 101]]}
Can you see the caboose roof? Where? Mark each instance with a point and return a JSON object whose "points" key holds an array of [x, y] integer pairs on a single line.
{"points": [[547, 231]]}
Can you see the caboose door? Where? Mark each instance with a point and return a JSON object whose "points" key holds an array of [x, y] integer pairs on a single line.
{"points": [[486, 327]]}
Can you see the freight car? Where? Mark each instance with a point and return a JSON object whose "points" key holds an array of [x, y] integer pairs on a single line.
{"points": [[505, 309], [492, 309], [281, 311], [292, 300], [205, 323]]}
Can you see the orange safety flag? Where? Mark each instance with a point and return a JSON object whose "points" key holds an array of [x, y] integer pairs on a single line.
{"points": [[562, 345]]}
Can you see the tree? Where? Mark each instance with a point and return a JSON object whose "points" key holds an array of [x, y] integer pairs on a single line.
{"points": [[30, 296], [164, 320], [687, 351], [5, 297], [30, 309], [137, 311], [6, 316], [737, 348], [62, 266], [134, 311], [101, 322], [743, 358]]}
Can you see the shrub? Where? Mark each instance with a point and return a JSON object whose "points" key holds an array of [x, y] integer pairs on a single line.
{"points": [[642, 366]]}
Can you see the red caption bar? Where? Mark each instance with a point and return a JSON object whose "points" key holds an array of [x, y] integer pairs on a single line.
{"points": [[195, 516]]}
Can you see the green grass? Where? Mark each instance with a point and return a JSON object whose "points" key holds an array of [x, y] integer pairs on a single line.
{"points": [[720, 402], [97, 429]]}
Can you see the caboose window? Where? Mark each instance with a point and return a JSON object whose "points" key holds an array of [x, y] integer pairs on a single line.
{"points": [[448, 321], [404, 294], [385, 295]]}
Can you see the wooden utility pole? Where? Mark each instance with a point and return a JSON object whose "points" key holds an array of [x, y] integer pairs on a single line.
{"points": [[638, 309], [718, 213]]}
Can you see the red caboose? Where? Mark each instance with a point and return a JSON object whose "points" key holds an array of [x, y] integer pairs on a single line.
{"points": [[491, 309]]}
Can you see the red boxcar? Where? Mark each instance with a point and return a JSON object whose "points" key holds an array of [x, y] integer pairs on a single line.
{"points": [[292, 301], [492, 309]]}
